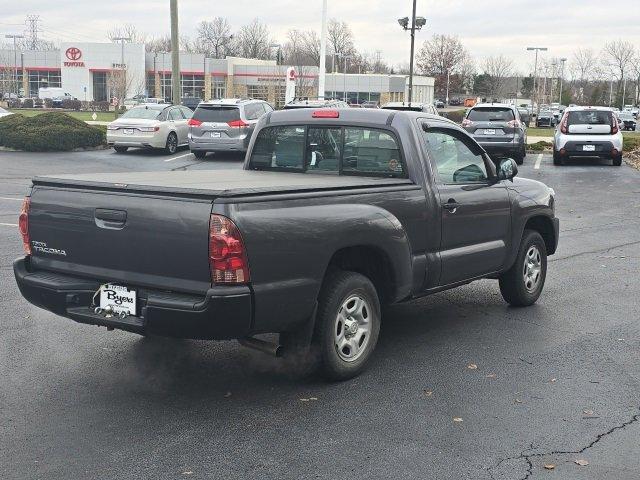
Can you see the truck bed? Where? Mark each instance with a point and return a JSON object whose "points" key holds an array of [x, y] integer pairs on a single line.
{"points": [[217, 183]]}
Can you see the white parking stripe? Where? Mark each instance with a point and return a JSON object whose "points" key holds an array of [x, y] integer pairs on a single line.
{"points": [[538, 160], [9, 198], [179, 156], [9, 224]]}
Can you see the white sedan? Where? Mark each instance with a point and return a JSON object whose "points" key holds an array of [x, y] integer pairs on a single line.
{"points": [[150, 126]]}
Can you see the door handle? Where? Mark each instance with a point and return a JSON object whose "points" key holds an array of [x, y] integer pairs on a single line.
{"points": [[451, 206], [110, 219]]}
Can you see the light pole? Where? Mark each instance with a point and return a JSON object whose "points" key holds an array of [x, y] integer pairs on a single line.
{"points": [[276, 45], [562, 60], [416, 24], [554, 65], [344, 76], [323, 52], [123, 73], [447, 96], [535, 75], [15, 60]]}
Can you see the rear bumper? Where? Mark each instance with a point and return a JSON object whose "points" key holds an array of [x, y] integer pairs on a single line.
{"points": [[576, 149], [226, 145], [143, 141], [222, 313], [502, 148]]}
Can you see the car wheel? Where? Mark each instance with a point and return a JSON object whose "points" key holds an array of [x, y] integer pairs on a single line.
{"points": [[617, 160], [172, 143], [199, 153], [121, 149], [556, 158], [522, 284], [347, 324]]}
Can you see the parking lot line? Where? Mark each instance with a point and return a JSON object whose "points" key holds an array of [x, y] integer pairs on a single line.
{"points": [[175, 158], [538, 160], [8, 224], [10, 198]]}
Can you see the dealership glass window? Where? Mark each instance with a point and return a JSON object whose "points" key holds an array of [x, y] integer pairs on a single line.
{"points": [[192, 86], [151, 85], [43, 78], [100, 89], [218, 87], [258, 92], [165, 85], [9, 83]]}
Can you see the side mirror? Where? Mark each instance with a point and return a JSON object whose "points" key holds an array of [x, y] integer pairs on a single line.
{"points": [[507, 169]]}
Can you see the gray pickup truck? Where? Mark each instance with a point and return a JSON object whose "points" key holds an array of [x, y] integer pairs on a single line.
{"points": [[335, 213]]}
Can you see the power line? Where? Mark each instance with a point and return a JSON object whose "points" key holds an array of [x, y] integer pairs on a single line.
{"points": [[32, 24]]}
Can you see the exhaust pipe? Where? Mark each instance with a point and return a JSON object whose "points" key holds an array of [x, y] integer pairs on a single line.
{"points": [[274, 349]]}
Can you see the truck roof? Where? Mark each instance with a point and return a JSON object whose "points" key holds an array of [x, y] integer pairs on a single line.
{"points": [[345, 116], [216, 183]]}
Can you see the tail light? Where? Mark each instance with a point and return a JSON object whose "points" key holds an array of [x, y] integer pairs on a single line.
{"points": [[325, 113], [466, 122], [614, 124], [227, 254], [237, 123], [564, 123], [514, 124], [23, 225], [193, 122]]}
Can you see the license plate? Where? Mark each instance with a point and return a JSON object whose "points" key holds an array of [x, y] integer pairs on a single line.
{"points": [[215, 134], [489, 131], [117, 299], [128, 131], [588, 148]]}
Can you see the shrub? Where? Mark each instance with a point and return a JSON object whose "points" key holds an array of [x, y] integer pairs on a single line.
{"points": [[539, 146], [48, 103], [27, 103], [102, 106], [71, 104], [455, 115], [51, 131], [630, 143]]}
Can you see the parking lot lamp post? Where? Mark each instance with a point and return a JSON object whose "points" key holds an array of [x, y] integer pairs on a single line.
{"points": [[624, 93], [447, 96], [554, 69], [123, 73], [15, 60], [561, 79], [416, 24], [278, 52], [535, 75]]}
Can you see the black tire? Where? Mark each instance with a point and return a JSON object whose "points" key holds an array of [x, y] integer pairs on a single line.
{"points": [[515, 289], [556, 158], [171, 145], [338, 288], [617, 160], [199, 153], [120, 149], [519, 157]]}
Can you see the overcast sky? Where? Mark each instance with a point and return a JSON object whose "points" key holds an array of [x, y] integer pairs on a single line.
{"points": [[486, 27]]}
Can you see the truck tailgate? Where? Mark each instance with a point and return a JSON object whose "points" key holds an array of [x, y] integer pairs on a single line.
{"points": [[122, 237]]}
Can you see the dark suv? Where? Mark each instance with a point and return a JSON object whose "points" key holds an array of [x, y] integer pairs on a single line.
{"points": [[499, 129], [224, 125]]}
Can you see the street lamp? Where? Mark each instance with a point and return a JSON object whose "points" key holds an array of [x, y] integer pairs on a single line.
{"points": [[123, 76], [278, 55], [535, 74], [344, 75], [15, 60], [562, 60], [416, 24]]}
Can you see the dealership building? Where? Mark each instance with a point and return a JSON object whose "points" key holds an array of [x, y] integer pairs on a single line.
{"points": [[86, 71]]}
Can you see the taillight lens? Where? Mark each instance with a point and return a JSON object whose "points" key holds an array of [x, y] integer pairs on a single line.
{"points": [[614, 124], [325, 113], [466, 122], [514, 124], [564, 123], [23, 225], [193, 122], [227, 255], [237, 124]]}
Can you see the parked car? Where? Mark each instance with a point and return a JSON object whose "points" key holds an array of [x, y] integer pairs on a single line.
{"points": [[439, 104], [4, 113], [191, 102], [627, 121], [499, 129], [315, 104], [150, 125], [454, 102], [545, 118], [337, 213], [588, 132], [524, 115], [412, 107], [224, 125], [370, 105]]}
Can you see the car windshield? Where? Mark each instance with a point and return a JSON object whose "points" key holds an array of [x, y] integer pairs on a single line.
{"points": [[589, 117], [142, 113], [626, 116], [216, 113], [491, 114]]}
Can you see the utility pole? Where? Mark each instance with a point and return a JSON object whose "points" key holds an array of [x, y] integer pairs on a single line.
{"points": [[416, 24], [447, 96], [32, 21], [323, 51], [535, 76], [176, 93], [123, 73], [554, 64], [15, 60], [624, 93], [561, 79]]}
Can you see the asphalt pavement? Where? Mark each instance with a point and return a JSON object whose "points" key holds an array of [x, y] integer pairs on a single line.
{"points": [[461, 385]]}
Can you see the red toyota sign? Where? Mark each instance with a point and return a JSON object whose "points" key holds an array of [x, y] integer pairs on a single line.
{"points": [[74, 54]]}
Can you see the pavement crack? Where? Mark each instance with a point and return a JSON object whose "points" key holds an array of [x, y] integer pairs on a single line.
{"points": [[184, 167], [590, 252], [528, 457]]}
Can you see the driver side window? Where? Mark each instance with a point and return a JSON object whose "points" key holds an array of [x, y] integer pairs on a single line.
{"points": [[455, 162]]}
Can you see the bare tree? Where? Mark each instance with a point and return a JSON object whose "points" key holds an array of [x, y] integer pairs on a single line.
{"points": [[441, 53], [583, 64], [214, 38], [129, 31], [340, 38], [497, 70], [254, 40], [159, 44], [618, 55], [311, 45]]}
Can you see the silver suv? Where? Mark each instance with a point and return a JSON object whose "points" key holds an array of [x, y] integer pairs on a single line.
{"points": [[588, 132], [412, 107], [224, 125]]}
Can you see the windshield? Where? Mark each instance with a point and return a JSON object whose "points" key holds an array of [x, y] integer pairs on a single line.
{"points": [[216, 114], [491, 114], [142, 113]]}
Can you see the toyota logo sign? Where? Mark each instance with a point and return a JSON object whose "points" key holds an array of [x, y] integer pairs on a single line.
{"points": [[73, 53]]}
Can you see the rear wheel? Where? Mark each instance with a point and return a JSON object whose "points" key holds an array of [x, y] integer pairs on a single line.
{"points": [[556, 158], [617, 160], [522, 284], [199, 153], [172, 143], [347, 324], [120, 149]]}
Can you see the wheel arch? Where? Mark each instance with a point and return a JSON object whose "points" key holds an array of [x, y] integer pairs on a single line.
{"points": [[544, 226]]}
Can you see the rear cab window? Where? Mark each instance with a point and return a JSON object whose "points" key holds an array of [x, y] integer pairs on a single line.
{"points": [[348, 150], [216, 113]]}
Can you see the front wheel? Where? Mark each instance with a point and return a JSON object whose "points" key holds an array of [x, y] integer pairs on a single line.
{"points": [[172, 143], [347, 324], [199, 153], [522, 284], [120, 149]]}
